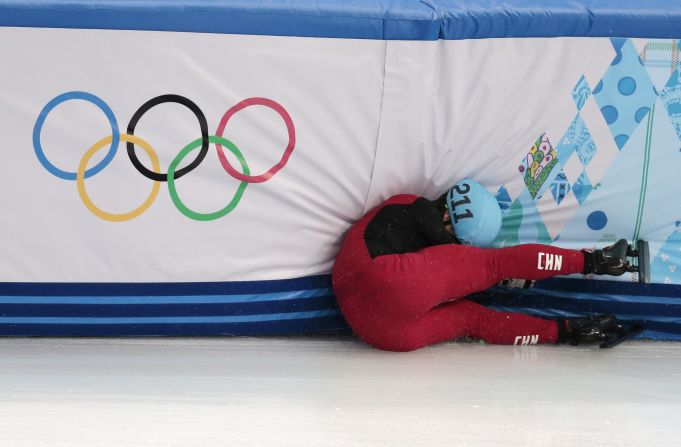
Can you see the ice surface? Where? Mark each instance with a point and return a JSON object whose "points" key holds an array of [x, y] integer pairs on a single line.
{"points": [[334, 392]]}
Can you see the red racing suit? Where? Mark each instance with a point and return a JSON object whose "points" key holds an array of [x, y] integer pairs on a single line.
{"points": [[404, 301]]}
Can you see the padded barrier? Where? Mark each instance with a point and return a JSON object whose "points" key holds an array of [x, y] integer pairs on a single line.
{"points": [[408, 96], [303, 305]]}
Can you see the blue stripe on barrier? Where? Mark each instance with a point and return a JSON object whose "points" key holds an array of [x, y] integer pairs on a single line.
{"points": [[163, 310], [549, 294], [662, 332], [360, 19], [177, 299], [187, 319], [165, 289], [319, 325], [609, 287], [578, 303], [591, 307]]}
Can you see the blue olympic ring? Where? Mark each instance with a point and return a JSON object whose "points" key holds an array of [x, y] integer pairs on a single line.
{"points": [[37, 129]]}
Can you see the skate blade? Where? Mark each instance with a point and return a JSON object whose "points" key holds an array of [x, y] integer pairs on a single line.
{"points": [[643, 261], [625, 331], [641, 257]]}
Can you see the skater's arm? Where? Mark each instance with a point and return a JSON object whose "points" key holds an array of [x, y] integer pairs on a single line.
{"points": [[429, 220]]}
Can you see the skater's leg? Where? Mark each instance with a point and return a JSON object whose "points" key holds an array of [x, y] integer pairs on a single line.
{"points": [[463, 318], [412, 284]]}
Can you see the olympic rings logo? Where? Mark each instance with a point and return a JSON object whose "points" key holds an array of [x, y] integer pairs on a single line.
{"points": [[154, 174]]}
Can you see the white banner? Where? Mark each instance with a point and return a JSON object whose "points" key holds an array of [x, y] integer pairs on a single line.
{"points": [[575, 136], [288, 226]]}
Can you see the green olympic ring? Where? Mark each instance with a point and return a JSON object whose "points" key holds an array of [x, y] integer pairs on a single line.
{"points": [[237, 196]]}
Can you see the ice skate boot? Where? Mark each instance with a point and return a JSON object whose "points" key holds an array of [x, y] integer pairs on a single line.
{"points": [[611, 260], [587, 330], [614, 260]]}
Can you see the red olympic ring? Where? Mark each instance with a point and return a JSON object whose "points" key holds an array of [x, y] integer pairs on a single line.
{"points": [[287, 152]]}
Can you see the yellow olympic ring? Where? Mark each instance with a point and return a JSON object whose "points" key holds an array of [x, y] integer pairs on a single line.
{"points": [[80, 179]]}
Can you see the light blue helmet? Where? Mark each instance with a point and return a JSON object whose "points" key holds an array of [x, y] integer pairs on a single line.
{"points": [[475, 213]]}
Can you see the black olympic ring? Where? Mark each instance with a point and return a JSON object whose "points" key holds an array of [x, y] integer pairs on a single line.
{"points": [[204, 136]]}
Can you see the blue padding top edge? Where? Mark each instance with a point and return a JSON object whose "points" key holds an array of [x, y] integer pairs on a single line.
{"points": [[359, 19], [354, 19]]}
